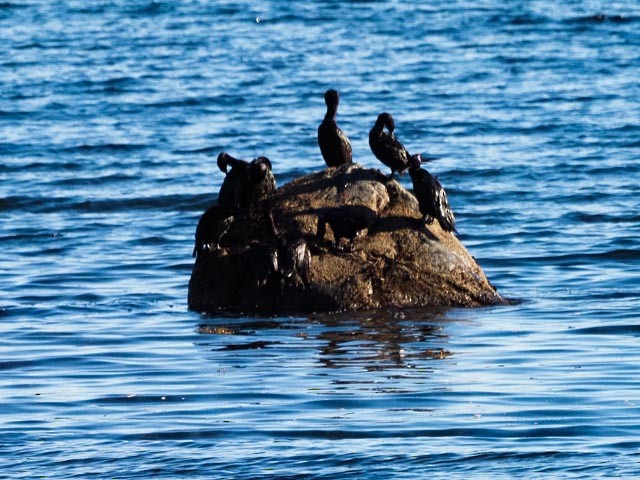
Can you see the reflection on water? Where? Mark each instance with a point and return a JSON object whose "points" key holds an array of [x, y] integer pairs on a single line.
{"points": [[375, 340]]}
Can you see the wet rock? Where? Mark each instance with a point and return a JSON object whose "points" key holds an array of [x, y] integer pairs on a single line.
{"points": [[368, 248]]}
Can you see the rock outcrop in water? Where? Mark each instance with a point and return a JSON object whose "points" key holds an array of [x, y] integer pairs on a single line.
{"points": [[360, 237]]}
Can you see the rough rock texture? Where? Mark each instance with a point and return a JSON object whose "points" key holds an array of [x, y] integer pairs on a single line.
{"points": [[396, 262]]}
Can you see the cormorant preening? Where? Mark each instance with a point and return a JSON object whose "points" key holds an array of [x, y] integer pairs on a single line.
{"points": [[230, 185], [334, 144], [246, 183], [385, 146], [256, 183], [345, 222], [212, 226], [431, 197]]}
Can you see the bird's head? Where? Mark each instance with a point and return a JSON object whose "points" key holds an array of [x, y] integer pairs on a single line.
{"points": [[223, 161], [258, 168], [331, 97], [415, 161]]}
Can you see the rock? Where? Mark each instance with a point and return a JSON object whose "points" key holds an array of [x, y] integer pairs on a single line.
{"points": [[393, 260]]}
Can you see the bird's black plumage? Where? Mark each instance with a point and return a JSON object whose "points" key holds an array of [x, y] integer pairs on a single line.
{"points": [[334, 144], [246, 182], [212, 226], [345, 222], [432, 199], [293, 256], [256, 183], [233, 177], [386, 147]]}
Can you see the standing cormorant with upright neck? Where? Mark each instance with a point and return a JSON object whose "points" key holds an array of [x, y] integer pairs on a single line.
{"points": [[334, 144], [385, 146], [431, 197]]}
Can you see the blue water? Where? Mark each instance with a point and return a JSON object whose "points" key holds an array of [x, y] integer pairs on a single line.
{"points": [[111, 115]]}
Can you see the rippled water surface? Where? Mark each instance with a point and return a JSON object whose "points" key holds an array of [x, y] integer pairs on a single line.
{"points": [[111, 115]]}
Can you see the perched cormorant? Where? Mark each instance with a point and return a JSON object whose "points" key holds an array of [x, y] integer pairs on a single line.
{"points": [[212, 226], [345, 222], [230, 185], [293, 257], [334, 144], [431, 197], [256, 182], [385, 146], [246, 182], [261, 263]]}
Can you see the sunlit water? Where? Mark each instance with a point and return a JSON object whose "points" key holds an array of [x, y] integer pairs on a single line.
{"points": [[111, 115]]}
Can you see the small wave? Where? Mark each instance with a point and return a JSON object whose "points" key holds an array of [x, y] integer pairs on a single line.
{"points": [[39, 204], [601, 18], [34, 166], [151, 9], [580, 258], [317, 434], [102, 180], [11, 6], [11, 365], [166, 202], [583, 217], [519, 20], [15, 114], [186, 102], [106, 147], [110, 85], [633, 330], [206, 150]]}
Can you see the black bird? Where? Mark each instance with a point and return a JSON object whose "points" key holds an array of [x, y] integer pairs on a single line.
{"points": [[231, 184], [431, 197], [345, 222], [334, 144], [261, 263], [293, 257], [256, 183], [385, 146], [212, 226]]}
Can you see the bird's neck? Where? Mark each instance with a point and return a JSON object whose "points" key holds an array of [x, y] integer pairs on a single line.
{"points": [[332, 111], [377, 129]]}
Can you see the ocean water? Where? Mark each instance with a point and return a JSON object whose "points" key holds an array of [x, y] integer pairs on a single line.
{"points": [[111, 115]]}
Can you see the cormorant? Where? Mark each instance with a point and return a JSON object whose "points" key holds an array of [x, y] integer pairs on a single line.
{"points": [[345, 222], [431, 197], [256, 182], [261, 263], [212, 226], [293, 257], [334, 144], [230, 185], [385, 146]]}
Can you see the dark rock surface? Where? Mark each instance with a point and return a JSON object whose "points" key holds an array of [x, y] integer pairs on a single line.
{"points": [[369, 249]]}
